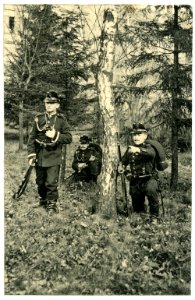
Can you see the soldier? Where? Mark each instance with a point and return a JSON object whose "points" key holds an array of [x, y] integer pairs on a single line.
{"points": [[87, 161], [139, 161], [49, 132]]}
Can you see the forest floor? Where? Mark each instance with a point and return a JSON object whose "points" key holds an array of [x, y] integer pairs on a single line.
{"points": [[76, 252]]}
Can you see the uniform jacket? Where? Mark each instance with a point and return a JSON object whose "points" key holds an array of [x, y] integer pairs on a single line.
{"points": [[142, 163], [48, 151], [83, 156]]}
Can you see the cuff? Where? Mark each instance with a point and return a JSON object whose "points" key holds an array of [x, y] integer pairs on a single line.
{"points": [[56, 137], [32, 155]]}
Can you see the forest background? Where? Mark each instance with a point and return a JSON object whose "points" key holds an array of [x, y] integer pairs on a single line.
{"points": [[137, 90]]}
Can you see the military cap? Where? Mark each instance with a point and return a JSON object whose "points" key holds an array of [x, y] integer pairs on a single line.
{"points": [[138, 128], [52, 97], [85, 139]]}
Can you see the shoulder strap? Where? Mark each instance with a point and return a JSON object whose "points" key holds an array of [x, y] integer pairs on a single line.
{"points": [[61, 115], [40, 114]]}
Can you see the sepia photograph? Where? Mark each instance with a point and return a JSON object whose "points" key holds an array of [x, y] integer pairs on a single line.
{"points": [[97, 102]]}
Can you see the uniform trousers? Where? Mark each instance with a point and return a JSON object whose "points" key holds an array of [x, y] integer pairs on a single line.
{"points": [[141, 188], [89, 173], [47, 182]]}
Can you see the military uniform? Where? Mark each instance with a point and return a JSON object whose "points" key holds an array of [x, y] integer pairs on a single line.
{"points": [[140, 170], [93, 168], [48, 152]]}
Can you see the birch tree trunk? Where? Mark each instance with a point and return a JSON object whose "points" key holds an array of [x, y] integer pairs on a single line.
{"points": [[107, 202], [175, 112]]}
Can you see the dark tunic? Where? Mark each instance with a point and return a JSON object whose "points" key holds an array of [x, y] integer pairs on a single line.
{"points": [[48, 151], [140, 163]]}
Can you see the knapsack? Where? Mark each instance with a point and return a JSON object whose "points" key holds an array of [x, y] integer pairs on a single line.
{"points": [[97, 148], [160, 160]]}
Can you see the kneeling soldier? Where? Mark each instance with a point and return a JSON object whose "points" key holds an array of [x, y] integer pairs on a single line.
{"points": [[87, 161], [49, 132]]}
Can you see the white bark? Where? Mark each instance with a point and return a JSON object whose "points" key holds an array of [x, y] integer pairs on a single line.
{"points": [[107, 203]]}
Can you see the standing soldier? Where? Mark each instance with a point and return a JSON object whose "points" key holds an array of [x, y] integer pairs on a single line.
{"points": [[49, 132], [139, 161], [87, 160]]}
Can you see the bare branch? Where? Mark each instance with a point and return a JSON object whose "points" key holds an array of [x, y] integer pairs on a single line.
{"points": [[95, 38]]}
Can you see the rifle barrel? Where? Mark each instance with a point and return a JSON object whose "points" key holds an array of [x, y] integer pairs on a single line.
{"points": [[123, 183]]}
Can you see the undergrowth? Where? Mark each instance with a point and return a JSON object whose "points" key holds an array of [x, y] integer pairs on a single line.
{"points": [[76, 252]]}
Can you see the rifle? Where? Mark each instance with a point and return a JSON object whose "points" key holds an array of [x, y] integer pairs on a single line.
{"points": [[123, 183], [70, 176], [162, 203], [161, 196], [24, 183]]}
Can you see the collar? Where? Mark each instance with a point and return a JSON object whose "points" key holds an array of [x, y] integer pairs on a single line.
{"points": [[51, 114]]}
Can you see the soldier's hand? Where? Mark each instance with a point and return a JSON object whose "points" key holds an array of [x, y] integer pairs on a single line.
{"points": [[32, 161], [127, 174], [120, 168], [133, 149], [82, 165], [50, 133], [92, 158]]}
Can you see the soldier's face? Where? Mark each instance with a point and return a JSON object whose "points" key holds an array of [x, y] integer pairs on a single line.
{"points": [[139, 138], [51, 107], [84, 146]]}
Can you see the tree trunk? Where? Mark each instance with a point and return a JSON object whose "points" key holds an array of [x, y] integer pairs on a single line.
{"points": [[174, 166], [21, 113], [107, 202], [21, 117], [98, 128], [64, 147]]}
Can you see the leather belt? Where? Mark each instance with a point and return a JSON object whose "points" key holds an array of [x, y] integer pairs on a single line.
{"points": [[44, 144], [140, 176]]}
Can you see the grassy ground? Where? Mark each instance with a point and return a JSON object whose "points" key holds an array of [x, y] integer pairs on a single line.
{"points": [[79, 253]]}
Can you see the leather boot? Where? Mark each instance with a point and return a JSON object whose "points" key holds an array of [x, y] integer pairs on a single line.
{"points": [[52, 207]]}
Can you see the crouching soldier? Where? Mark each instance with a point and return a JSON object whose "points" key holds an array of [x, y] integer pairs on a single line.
{"points": [[87, 161], [49, 132]]}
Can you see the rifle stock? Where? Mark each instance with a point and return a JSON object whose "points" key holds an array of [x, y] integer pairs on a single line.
{"points": [[24, 183], [123, 182]]}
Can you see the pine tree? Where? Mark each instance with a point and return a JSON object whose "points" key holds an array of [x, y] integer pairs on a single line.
{"points": [[50, 55], [23, 84]]}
